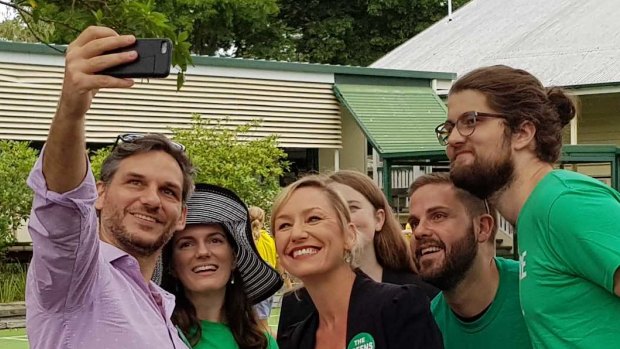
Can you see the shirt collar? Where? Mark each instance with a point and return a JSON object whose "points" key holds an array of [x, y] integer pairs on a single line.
{"points": [[111, 253], [168, 298]]}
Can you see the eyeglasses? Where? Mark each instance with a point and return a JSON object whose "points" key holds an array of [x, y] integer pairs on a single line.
{"points": [[465, 125], [132, 137]]}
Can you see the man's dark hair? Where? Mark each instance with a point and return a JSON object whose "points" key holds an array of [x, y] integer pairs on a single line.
{"points": [[473, 204], [520, 96], [148, 143]]}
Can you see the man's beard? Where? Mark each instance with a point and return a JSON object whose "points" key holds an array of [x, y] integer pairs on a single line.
{"points": [[484, 180], [456, 264], [130, 242]]}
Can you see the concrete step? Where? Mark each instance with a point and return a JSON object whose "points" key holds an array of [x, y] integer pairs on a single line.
{"points": [[12, 309], [13, 322]]}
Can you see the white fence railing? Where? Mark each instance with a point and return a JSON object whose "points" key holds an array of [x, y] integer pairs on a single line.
{"points": [[504, 225], [401, 177]]}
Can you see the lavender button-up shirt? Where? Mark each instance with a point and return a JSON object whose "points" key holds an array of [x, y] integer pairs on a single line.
{"points": [[82, 292]]}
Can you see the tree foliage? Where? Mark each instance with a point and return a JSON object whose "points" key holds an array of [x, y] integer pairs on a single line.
{"points": [[138, 17], [352, 32], [16, 160], [355, 32], [205, 27], [224, 27], [16, 30], [226, 155]]}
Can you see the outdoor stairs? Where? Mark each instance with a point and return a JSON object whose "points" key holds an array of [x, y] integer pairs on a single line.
{"points": [[12, 315]]}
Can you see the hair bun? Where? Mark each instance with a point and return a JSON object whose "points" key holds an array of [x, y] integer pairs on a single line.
{"points": [[562, 103]]}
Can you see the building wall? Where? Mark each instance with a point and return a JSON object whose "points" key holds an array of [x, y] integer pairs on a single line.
{"points": [[302, 111], [354, 144], [326, 160], [599, 122], [352, 156]]}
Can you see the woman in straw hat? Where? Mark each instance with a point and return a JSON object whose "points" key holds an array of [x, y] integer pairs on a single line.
{"points": [[316, 243], [216, 274]]}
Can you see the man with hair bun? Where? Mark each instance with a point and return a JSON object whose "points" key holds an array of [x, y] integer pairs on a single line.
{"points": [[502, 136]]}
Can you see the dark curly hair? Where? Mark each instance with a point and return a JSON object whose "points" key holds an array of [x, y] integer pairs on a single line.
{"points": [[521, 97]]}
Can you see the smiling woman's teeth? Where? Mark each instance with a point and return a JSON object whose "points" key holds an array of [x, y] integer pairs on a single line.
{"points": [[204, 268], [305, 251]]}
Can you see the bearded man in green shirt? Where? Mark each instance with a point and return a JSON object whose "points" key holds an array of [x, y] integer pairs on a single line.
{"points": [[503, 136], [453, 241]]}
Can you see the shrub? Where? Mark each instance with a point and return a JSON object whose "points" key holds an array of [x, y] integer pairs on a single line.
{"points": [[16, 161], [13, 285], [227, 155]]}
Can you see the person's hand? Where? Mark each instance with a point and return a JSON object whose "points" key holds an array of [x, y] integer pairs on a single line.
{"points": [[84, 58]]}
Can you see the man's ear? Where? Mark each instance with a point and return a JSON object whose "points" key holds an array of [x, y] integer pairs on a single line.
{"points": [[524, 136], [101, 187], [182, 219], [486, 226]]}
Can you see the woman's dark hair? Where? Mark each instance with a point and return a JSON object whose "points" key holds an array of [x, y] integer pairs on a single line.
{"points": [[520, 96], [238, 311]]}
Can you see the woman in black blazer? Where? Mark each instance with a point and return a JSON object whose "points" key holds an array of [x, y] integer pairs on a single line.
{"points": [[316, 243], [384, 254]]}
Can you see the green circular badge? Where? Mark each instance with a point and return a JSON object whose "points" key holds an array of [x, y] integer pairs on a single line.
{"points": [[362, 341]]}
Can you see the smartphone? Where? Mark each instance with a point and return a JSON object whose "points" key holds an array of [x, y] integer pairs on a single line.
{"points": [[154, 58]]}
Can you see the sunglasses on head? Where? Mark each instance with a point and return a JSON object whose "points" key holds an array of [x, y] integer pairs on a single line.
{"points": [[133, 137]]}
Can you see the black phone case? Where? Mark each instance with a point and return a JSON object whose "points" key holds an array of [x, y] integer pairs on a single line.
{"points": [[151, 61]]}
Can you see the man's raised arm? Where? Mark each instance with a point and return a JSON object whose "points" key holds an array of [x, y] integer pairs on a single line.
{"points": [[64, 161]]}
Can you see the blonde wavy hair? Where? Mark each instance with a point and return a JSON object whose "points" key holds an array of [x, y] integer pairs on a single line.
{"points": [[337, 202], [257, 220]]}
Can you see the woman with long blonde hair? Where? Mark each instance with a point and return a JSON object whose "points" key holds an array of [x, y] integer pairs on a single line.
{"points": [[316, 243], [384, 254]]}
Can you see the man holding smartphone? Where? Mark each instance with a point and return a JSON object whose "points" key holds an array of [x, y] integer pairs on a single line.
{"points": [[96, 244]]}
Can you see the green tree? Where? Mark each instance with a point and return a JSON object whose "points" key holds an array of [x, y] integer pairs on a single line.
{"points": [[16, 160], [70, 17], [224, 27], [355, 32], [16, 30], [227, 156], [204, 27]]}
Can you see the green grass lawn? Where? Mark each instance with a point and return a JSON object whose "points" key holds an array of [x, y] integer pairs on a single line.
{"points": [[273, 319], [13, 339]]}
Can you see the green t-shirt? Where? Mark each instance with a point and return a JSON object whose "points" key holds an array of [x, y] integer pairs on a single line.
{"points": [[216, 335], [501, 326], [569, 246]]}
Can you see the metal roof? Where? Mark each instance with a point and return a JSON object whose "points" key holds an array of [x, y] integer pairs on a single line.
{"points": [[562, 42], [396, 120]]}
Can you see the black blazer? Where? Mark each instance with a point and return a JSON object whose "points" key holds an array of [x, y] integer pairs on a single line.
{"points": [[297, 306], [397, 317]]}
